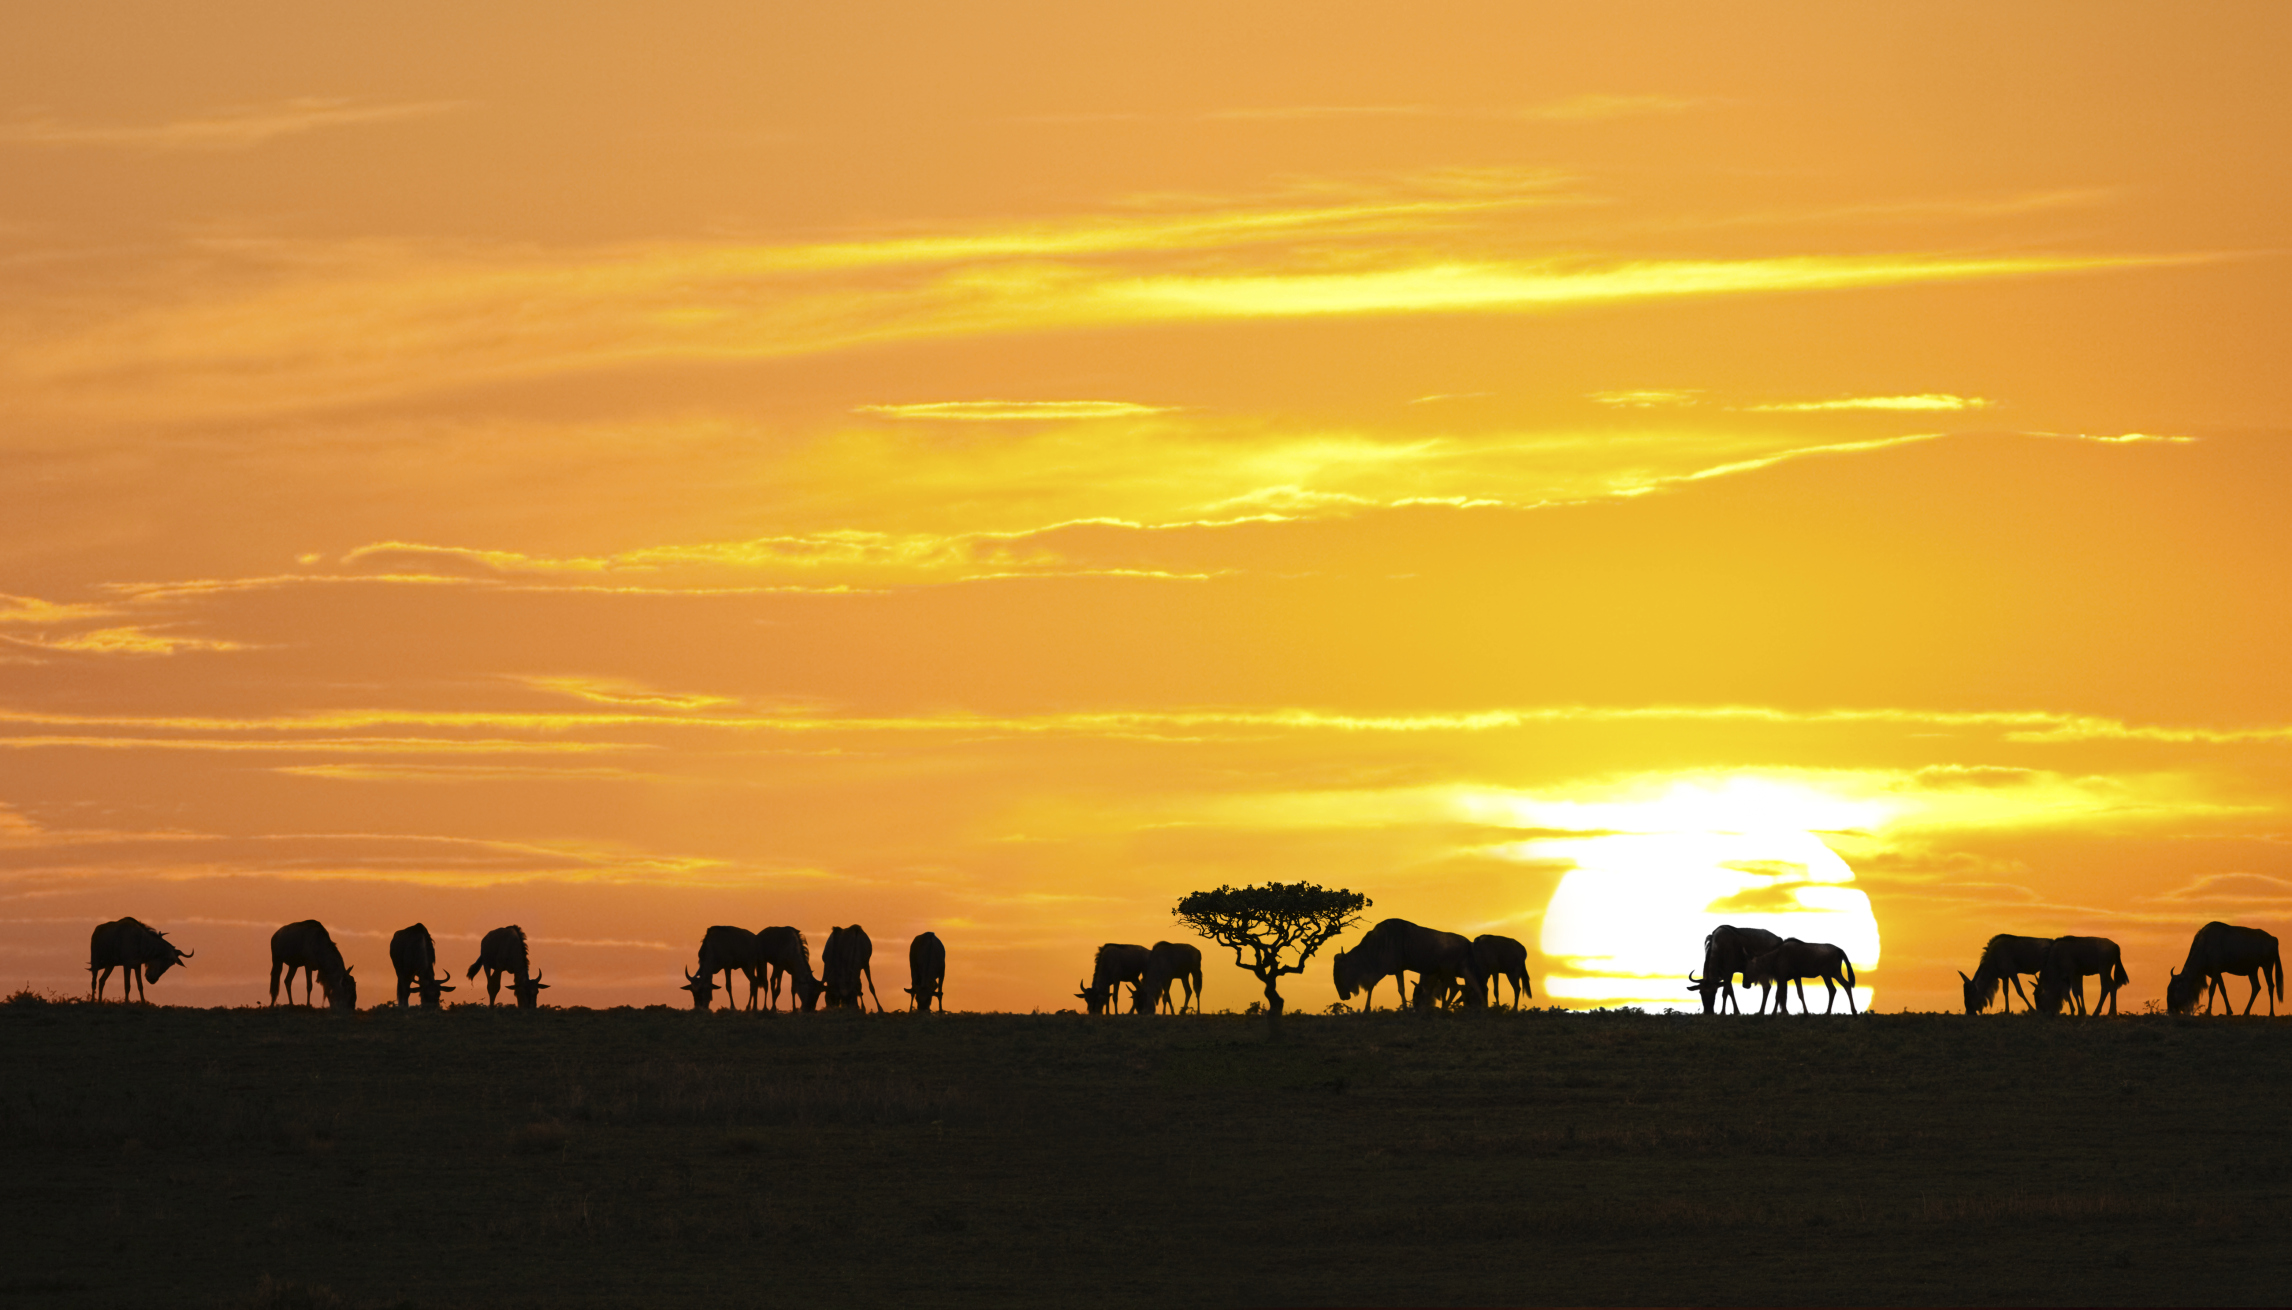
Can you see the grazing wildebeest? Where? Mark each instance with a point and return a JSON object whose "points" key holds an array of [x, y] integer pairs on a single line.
{"points": [[2004, 960], [1726, 949], [503, 951], [724, 949], [141, 953], [1169, 962], [843, 963], [1502, 958], [926, 972], [783, 953], [2220, 949], [1116, 963], [415, 957], [1792, 963], [305, 946], [1441, 961], [2067, 964]]}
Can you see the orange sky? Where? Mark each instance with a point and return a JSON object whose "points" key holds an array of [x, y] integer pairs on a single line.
{"points": [[998, 469]]}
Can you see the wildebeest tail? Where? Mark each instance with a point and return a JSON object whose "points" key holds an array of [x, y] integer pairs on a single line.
{"points": [[2121, 977], [473, 973], [1849, 971]]}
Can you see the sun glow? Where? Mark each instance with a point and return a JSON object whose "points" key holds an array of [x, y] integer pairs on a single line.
{"points": [[1649, 873]]}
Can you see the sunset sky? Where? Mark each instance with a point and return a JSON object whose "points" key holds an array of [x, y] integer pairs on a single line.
{"points": [[1584, 473]]}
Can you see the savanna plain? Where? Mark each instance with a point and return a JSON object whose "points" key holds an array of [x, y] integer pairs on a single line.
{"points": [[624, 1158]]}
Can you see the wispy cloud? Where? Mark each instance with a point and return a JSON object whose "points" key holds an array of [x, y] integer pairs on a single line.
{"points": [[132, 640], [1015, 411], [1648, 399], [241, 127], [264, 330], [1921, 402], [1591, 108]]}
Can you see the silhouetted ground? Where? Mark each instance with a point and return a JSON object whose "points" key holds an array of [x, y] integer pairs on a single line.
{"points": [[625, 1158]]}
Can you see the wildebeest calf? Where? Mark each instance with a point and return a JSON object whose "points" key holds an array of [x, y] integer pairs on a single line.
{"points": [[1792, 963], [1502, 958]]}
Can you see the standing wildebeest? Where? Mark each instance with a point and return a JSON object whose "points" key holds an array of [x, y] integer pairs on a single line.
{"points": [[2068, 961], [2004, 961], [2221, 949], [415, 957], [1726, 949], [1502, 958], [1792, 963], [503, 951], [783, 953], [1165, 963], [305, 946], [1441, 960], [843, 963], [724, 949], [926, 972], [139, 952], [1116, 963]]}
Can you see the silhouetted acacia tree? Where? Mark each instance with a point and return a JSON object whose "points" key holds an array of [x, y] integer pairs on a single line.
{"points": [[1280, 919]]}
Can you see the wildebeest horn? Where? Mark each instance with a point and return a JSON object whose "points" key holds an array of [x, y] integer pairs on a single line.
{"points": [[188, 954], [1962, 976], [689, 978], [537, 979]]}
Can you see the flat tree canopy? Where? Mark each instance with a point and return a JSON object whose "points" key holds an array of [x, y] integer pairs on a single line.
{"points": [[1279, 919]]}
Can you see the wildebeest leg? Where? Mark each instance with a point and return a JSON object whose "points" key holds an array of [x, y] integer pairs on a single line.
{"points": [[2015, 979], [1850, 1007], [1801, 984], [134, 974], [1829, 994], [275, 985], [2255, 979]]}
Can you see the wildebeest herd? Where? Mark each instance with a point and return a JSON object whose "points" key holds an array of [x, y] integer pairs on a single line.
{"points": [[1452, 972]]}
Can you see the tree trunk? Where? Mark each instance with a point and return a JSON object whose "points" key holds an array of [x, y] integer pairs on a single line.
{"points": [[1272, 999]]}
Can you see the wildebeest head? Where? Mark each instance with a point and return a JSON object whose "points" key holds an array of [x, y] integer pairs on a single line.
{"points": [[703, 989], [431, 988], [2182, 990], [1977, 994], [1347, 972], [1761, 969], [807, 989], [528, 991], [1708, 990], [167, 957], [341, 992], [1095, 995]]}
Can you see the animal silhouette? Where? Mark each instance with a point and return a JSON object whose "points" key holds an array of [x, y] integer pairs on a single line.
{"points": [[1792, 963], [1441, 961], [926, 972], [1726, 949], [415, 959], [1497, 958], [2220, 949], [2003, 961], [503, 951], [1115, 964], [1169, 962], [727, 950], [141, 953], [2068, 962], [305, 946], [844, 963], [783, 953]]}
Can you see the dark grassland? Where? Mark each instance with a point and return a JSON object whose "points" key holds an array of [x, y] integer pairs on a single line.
{"points": [[624, 1158]]}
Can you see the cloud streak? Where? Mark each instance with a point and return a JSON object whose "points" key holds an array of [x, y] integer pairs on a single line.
{"points": [[238, 128]]}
